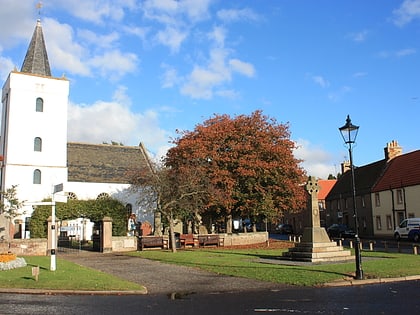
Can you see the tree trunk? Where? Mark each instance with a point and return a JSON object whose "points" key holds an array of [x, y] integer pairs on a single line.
{"points": [[172, 233]]}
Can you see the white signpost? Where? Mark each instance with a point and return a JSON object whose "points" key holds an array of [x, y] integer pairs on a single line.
{"points": [[60, 198]]}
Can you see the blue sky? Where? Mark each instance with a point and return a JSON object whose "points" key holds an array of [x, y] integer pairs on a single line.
{"points": [[139, 70]]}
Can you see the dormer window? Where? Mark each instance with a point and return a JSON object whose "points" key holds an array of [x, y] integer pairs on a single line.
{"points": [[39, 105]]}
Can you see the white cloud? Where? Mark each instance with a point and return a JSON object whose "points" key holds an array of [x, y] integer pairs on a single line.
{"points": [[97, 12], [405, 52], [114, 64], [316, 161], [244, 68], [321, 81], [359, 36], [106, 121], [232, 15], [335, 96], [210, 79], [172, 38], [6, 65], [407, 12], [98, 40]]}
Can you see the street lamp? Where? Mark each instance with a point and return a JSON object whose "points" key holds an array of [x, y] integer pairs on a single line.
{"points": [[349, 134]]}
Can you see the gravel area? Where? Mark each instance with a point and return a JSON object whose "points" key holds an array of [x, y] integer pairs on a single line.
{"points": [[164, 278]]}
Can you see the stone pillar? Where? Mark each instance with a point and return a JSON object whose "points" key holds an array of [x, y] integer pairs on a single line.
{"points": [[158, 224], [106, 237], [313, 233]]}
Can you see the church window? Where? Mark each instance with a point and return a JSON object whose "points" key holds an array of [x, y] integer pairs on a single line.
{"points": [[37, 177], [103, 196], [71, 196], [38, 144], [39, 104]]}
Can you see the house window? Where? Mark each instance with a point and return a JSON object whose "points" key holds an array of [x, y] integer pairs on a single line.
{"points": [[338, 205], [39, 104], [378, 223], [399, 196], [37, 144], [377, 200], [37, 177], [388, 222]]}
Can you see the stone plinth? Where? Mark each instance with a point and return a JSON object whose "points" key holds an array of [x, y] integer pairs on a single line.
{"points": [[316, 245], [317, 252]]}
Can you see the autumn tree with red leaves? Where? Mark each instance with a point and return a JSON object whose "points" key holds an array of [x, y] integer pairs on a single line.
{"points": [[248, 163]]}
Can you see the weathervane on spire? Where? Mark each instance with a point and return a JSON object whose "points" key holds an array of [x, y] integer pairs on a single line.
{"points": [[39, 7]]}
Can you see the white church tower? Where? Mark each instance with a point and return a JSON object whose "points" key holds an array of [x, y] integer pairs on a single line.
{"points": [[34, 127]]}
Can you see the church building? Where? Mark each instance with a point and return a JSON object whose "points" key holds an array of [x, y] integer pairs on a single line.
{"points": [[36, 156]]}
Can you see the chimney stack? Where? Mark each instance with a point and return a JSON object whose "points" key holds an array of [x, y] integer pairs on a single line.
{"points": [[392, 150], [345, 166]]}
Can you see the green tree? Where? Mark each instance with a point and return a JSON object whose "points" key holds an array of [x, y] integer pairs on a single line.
{"points": [[248, 162], [95, 210], [10, 207]]}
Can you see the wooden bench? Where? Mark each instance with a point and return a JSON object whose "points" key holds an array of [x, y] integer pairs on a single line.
{"points": [[211, 239], [152, 241], [188, 239]]}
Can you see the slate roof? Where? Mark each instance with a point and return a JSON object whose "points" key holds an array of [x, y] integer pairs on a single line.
{"points": [[365, 178], [402, 171], [36, 59], [103, 163]]}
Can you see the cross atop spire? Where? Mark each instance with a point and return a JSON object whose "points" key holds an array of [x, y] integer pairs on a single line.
{"points": [[36, 59]]}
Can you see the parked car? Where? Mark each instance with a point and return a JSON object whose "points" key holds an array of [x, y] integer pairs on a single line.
{"points": [[284, 229], [408, 228], [340, 230]]}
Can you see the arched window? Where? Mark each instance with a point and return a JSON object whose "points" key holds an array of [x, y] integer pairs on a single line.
{"points": [[129, 209], [37, 177], [103, 196], [71, 196], [38, 144], [39, 104]]}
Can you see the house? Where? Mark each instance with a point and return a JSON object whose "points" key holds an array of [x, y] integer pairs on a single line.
{"points": [[339, 202], [299, 219], [36, 155], [396, 195]]}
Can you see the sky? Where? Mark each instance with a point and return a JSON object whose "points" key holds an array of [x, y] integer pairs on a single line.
{"points": [[141, 70]]}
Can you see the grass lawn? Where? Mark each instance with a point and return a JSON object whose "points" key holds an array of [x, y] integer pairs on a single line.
{"points": [[67, 276], [253, 264]]}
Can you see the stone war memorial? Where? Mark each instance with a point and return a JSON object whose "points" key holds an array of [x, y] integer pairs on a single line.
{"points": [[315, 245]]}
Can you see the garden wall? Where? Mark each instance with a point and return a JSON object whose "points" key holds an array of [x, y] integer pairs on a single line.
{"points": [[25, 247]]}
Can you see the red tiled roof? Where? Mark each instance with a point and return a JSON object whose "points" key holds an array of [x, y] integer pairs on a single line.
{"points": [[326, 185], [401, 171]]}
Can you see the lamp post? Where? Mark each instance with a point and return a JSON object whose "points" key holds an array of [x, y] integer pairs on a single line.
{"points": [[349, 134]]}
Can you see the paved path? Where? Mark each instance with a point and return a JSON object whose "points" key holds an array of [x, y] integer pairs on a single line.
{"points": [[164, 278]]}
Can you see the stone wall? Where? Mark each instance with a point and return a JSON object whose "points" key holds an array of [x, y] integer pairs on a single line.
{"points": [[245, 238], [25, 247], [124, 243]]}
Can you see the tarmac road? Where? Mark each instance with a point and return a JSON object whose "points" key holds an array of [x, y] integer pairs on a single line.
{"points": [[163, 278]]}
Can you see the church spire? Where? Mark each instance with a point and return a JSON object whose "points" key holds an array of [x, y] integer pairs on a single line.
{"points": [[36, 59]]}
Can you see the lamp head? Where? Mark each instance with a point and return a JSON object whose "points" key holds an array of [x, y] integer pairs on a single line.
{"points": [[349, 131]]}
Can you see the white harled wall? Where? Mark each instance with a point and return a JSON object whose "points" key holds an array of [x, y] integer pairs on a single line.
{"points": [[21, 123]]}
